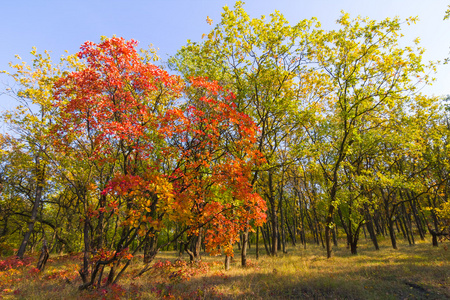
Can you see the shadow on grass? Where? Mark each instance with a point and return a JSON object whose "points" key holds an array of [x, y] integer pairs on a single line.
{"points": [[413, 273], [355, 285]]}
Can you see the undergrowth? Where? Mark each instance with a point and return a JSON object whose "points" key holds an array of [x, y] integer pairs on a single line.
{"points": [[411, 272]]}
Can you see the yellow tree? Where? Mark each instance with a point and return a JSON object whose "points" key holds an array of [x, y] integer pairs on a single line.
{"points": [[367, 74], [31, 121], [262, 61]]}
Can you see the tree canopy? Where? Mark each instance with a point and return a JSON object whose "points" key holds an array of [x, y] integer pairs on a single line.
{"points": [[289, 133]]}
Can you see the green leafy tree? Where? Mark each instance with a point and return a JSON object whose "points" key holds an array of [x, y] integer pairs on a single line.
{"points": [[367, 74], [31, 122], [262, 61]]}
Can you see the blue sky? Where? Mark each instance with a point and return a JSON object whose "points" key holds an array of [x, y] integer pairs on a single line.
{"points": [[59, 25]]}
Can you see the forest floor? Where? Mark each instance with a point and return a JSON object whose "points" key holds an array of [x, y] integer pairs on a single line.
{"points": [[411, 272]]}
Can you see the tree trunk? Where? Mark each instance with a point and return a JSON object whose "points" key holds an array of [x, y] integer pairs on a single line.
{"points": [[302, 222], [434, 238], [98, 242], [313, 228], [84, 271], [291, 234], [257, 242], [43, 257], [392, 234], [369, 226], [280, 208], [417, 220], [434, 232], [355, 238], [329, 220], [150, 248], [244, 246], [274, 218], [353, 247], [283, 233], [334, 232], [266, 240], [227, 262], [198, 244], [378, 227], [40, 175], [408, 223], [319, 228]]}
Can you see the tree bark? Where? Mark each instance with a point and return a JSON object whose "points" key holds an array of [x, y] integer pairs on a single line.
{"points": [[84, 271], [392, 234], [227, 262], [257, 242], [266, 240], [329, 220], [198, 244], [43, 257], [150, 248], [369, 226], [40, 175], [244, 246], [274, 218]]}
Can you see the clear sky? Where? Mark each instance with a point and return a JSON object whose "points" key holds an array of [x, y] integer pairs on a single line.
{"points": [[59, 25]]}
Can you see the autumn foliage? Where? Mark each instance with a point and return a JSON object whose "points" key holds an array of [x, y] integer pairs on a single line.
{"points": [[173, 151], [112, 159]]}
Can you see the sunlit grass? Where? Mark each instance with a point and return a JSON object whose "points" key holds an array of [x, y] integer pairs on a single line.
{"points": [[417, 272]]}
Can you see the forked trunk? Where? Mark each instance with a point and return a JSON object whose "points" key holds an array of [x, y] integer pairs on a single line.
{"points": [[150, 248]]}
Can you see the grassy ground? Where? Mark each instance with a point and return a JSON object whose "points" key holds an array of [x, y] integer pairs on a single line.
{"points": [[418, 272]]}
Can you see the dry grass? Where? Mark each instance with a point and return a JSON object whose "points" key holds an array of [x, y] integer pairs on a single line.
{"points": [[418, 272]]}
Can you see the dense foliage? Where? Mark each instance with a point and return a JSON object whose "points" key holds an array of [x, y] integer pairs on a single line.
{"points": [[325, 131]]}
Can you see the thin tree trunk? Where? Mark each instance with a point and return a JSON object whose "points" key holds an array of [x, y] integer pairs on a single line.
{"points": [[227, 262], [280, 208], [40, 175], [266, 240], [392, 234], [257, 242], [244, 246], [150, 248], [283, 233], [99, 230], [84, 272], [408, 229], [43, 257], [417, 220], [369, 226], [319, 229], [274, 217], [313, 228], [355, 238], [198, 244], [292, 235], [435, 230], [334, 232], [328, 223]]}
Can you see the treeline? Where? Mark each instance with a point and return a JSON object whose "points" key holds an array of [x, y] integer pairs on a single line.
{"points": [[349, 141], [269, 134]]}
